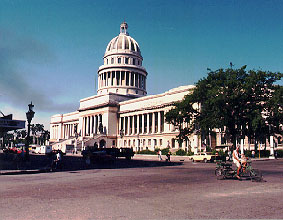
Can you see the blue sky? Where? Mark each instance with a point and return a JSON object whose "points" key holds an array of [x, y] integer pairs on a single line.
{"points": [[50, 50]]}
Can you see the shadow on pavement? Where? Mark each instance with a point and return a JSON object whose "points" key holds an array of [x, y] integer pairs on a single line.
{"points": [[9, 165]]}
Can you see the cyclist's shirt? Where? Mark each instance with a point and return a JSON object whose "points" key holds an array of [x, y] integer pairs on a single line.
{"points": [[236, 154]]}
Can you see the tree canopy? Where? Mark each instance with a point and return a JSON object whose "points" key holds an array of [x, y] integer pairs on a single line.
{"points": [[241, 102]]}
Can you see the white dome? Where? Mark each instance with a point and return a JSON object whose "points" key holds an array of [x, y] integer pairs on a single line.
{"points": [[122, 72], [123, 43]]}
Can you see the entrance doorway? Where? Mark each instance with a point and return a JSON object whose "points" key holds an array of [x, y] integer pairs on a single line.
{"points": [[102, 143]]}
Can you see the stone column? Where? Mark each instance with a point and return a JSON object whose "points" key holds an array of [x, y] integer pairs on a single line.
{"points": [[91, 125], [153, 122], [66, 131], [130, 78], [159, 122], [124, 125], [88, 125], [133, 124], [147, 123], [112, 78], [142, 123], [120, 125], [96, 124], [138, 124], [85, 126]]}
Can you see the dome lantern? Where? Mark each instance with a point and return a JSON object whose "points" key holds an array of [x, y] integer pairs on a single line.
{"points": [[123, 28]]}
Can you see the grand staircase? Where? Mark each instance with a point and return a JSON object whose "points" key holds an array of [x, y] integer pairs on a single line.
{"points": [[69, 144]]}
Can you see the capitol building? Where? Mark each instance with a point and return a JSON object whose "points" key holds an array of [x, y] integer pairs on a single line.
{"points": [[121, 114]]}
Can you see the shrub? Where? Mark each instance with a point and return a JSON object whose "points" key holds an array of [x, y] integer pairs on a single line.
{"points": [[147, 152], [279, 153], [248, 153], [222, 153], [156, 150], [180, 152], [165, 151], [190, 153], [263, 153]]}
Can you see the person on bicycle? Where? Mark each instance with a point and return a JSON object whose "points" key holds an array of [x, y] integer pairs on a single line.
{"points": [[237, 161]]}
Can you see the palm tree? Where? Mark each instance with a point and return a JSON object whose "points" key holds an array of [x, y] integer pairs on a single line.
{"points": [[23, 134], [37, 130], [46, 135]]}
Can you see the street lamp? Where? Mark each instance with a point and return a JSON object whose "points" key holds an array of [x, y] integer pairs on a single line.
{"points": [[30, 115]]}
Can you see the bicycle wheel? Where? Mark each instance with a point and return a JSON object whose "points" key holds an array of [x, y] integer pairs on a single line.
{"points": [[255, 175], [219, 173]]}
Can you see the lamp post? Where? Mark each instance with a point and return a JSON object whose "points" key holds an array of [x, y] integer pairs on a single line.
{"points": [[30, 115]]}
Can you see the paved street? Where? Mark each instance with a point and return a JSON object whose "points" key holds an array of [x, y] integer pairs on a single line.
{"points": [[142, 189]]}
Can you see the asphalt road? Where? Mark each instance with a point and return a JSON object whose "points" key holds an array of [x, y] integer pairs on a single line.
{"points": [[142, 189]]}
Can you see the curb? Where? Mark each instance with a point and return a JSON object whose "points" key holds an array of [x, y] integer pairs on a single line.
{"points": [[15, 172]]}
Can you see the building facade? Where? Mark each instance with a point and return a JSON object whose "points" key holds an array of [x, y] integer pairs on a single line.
{"points": [[121, 114]]}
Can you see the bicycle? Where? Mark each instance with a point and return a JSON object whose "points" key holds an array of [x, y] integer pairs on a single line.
{"points": [[225, 171]]}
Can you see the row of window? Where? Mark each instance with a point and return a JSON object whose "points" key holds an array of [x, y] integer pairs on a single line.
{"points": [[123, 60]]}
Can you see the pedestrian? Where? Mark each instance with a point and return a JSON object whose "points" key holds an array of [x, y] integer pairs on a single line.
{"points": [[253, 154], [159, 155], [59, 159], [168, 156], [229, 155]]}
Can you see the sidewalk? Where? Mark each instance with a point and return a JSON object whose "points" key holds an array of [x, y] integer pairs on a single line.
{"points": [[10, 164], [155, 157]]}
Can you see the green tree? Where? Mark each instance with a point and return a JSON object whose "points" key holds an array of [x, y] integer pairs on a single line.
{"points": [[241, 102]]}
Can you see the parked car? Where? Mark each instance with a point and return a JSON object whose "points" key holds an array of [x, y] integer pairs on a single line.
{"points": [[203, 156], [128, 153], [37, 149]]}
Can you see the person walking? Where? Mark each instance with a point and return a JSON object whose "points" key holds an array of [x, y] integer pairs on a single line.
{"points": [[253, 154], [168, 156], [159, 155]]}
